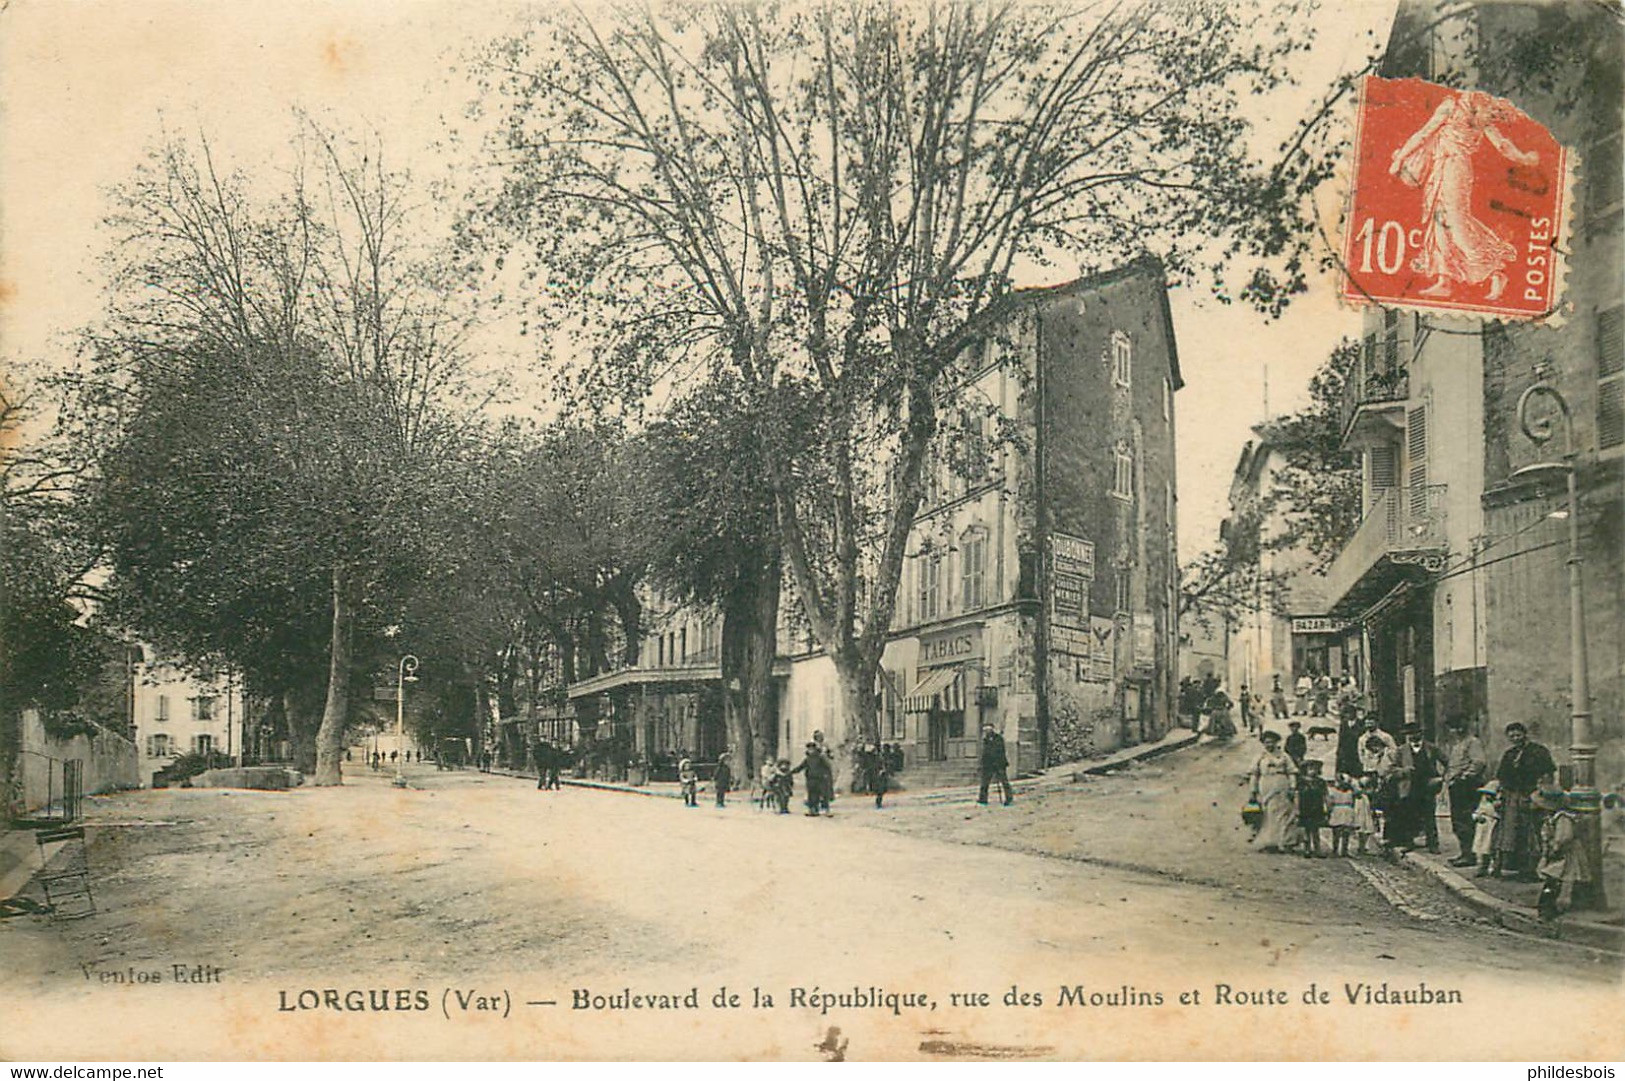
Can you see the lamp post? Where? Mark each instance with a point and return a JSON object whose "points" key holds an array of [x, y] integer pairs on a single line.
{"points": [[405, 672], [1584, 799]]}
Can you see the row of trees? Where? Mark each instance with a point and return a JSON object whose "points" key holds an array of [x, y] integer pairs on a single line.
{"points": [[761, 239]]}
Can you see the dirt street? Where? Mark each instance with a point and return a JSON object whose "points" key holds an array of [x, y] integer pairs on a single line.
{"points": [[1136, 887]]}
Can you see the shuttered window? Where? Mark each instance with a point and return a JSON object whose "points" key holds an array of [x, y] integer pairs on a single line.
{"points": [[1416, 455], [1390, 340], [1610, 379], [1383, 468]]}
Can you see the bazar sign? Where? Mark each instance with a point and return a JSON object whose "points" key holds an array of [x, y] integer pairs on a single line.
{"points": [[1316, 625], [1457, 203]]}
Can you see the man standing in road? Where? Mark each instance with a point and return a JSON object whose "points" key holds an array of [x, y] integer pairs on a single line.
{"points": [[1465, 764], [995, 765], [1414, 777]]}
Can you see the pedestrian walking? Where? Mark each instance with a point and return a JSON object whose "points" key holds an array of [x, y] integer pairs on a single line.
{"points": [[1275, 790], [722, 779], [815, 763], [995, 766], [879, 774], [1219, 724], [1278, 698]]}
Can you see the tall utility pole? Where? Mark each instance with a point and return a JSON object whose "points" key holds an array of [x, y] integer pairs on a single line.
{"points": [[1583, 798]]}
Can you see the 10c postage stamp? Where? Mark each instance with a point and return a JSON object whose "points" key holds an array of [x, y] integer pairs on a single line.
{"points": [[1457, 203]]}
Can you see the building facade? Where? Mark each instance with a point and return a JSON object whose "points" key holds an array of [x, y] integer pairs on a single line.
{"points": [[1039, 594], [1456, 580], [180, 711]]}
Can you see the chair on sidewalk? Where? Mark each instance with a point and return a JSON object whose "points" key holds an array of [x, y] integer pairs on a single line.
{"points": [[65, 872]]}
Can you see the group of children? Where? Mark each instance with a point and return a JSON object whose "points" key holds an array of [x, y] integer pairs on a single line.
{"points": [[1344, 805]]}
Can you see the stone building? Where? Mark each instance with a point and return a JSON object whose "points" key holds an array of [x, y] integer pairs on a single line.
{"points": [[1040, 589], [1457, 578]]}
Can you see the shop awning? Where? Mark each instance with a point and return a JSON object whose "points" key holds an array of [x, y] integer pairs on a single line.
{"points": [[942, 687]]}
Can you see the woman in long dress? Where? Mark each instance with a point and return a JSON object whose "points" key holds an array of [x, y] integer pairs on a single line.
{"points": [[1456, 245], [1275, 789]]}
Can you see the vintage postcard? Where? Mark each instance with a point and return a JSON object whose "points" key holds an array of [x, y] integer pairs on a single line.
{"points": [[841, 531]]}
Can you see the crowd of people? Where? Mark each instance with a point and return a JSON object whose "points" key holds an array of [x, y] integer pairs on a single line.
{"points": [[873, 768], [1380, 794]]}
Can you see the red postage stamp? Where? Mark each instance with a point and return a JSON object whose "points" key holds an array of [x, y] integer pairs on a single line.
{"points": [[1457, 203]]}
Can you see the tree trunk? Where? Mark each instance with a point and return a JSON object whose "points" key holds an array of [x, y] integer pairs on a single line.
{"points": [[330, 736], [301, 732]]}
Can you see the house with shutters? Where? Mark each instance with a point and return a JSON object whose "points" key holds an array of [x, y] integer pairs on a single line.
{"points": [[179, 710], [1039, 591], [1456, 579]]}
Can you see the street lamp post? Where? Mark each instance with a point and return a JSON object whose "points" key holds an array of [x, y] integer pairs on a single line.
{"points": [[1584, 799], [405, 672]]}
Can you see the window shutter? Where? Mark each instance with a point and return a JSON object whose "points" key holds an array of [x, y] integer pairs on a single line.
{"points": [[1610, 379], [1416, 453], [1382, 468], [1390, 340]]}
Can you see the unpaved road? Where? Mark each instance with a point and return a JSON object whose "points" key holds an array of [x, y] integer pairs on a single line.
{"points": [[480, 886]]}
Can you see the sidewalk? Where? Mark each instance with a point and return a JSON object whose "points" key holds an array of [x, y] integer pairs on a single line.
{"points": [[1511, 904], [1055, 776]]}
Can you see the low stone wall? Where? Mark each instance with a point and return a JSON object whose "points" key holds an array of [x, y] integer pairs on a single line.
{"points": [[273, 778], [109, 763]]}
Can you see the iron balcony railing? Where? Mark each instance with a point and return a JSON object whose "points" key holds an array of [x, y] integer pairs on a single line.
{"points": [[1400, 520], [1371, 385]]}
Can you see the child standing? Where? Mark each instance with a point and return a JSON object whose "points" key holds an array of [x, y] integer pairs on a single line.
{"points": [[722, 779], [782, 785], [1312, 806], [690, 782], [1340, 813], [1365, 817], [1484, 819], [1559, 867]]}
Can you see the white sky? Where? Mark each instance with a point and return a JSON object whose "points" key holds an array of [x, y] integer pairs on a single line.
{"points": [[86, 86]]}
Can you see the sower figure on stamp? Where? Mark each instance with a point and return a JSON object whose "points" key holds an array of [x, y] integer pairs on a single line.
{"points": [[1438, 158], [995, 765]]}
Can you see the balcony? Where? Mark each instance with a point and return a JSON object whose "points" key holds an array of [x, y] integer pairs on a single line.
{"points": [[1373, 404], [1401, 538]]}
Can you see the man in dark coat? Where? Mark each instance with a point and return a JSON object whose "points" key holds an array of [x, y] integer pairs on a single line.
{"points": [[820, 773], [544, 762], [1297, 745], [995, 765], [1414, 774]]}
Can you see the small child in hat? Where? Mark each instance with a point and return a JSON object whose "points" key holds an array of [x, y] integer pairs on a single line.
{"points": [[1312, 806], [1559, 867], [1485, 817], [690, 781], [1365, 814]]}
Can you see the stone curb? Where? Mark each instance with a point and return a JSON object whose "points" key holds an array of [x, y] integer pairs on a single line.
{"points": [[1140, 753], [1525, 920]]}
